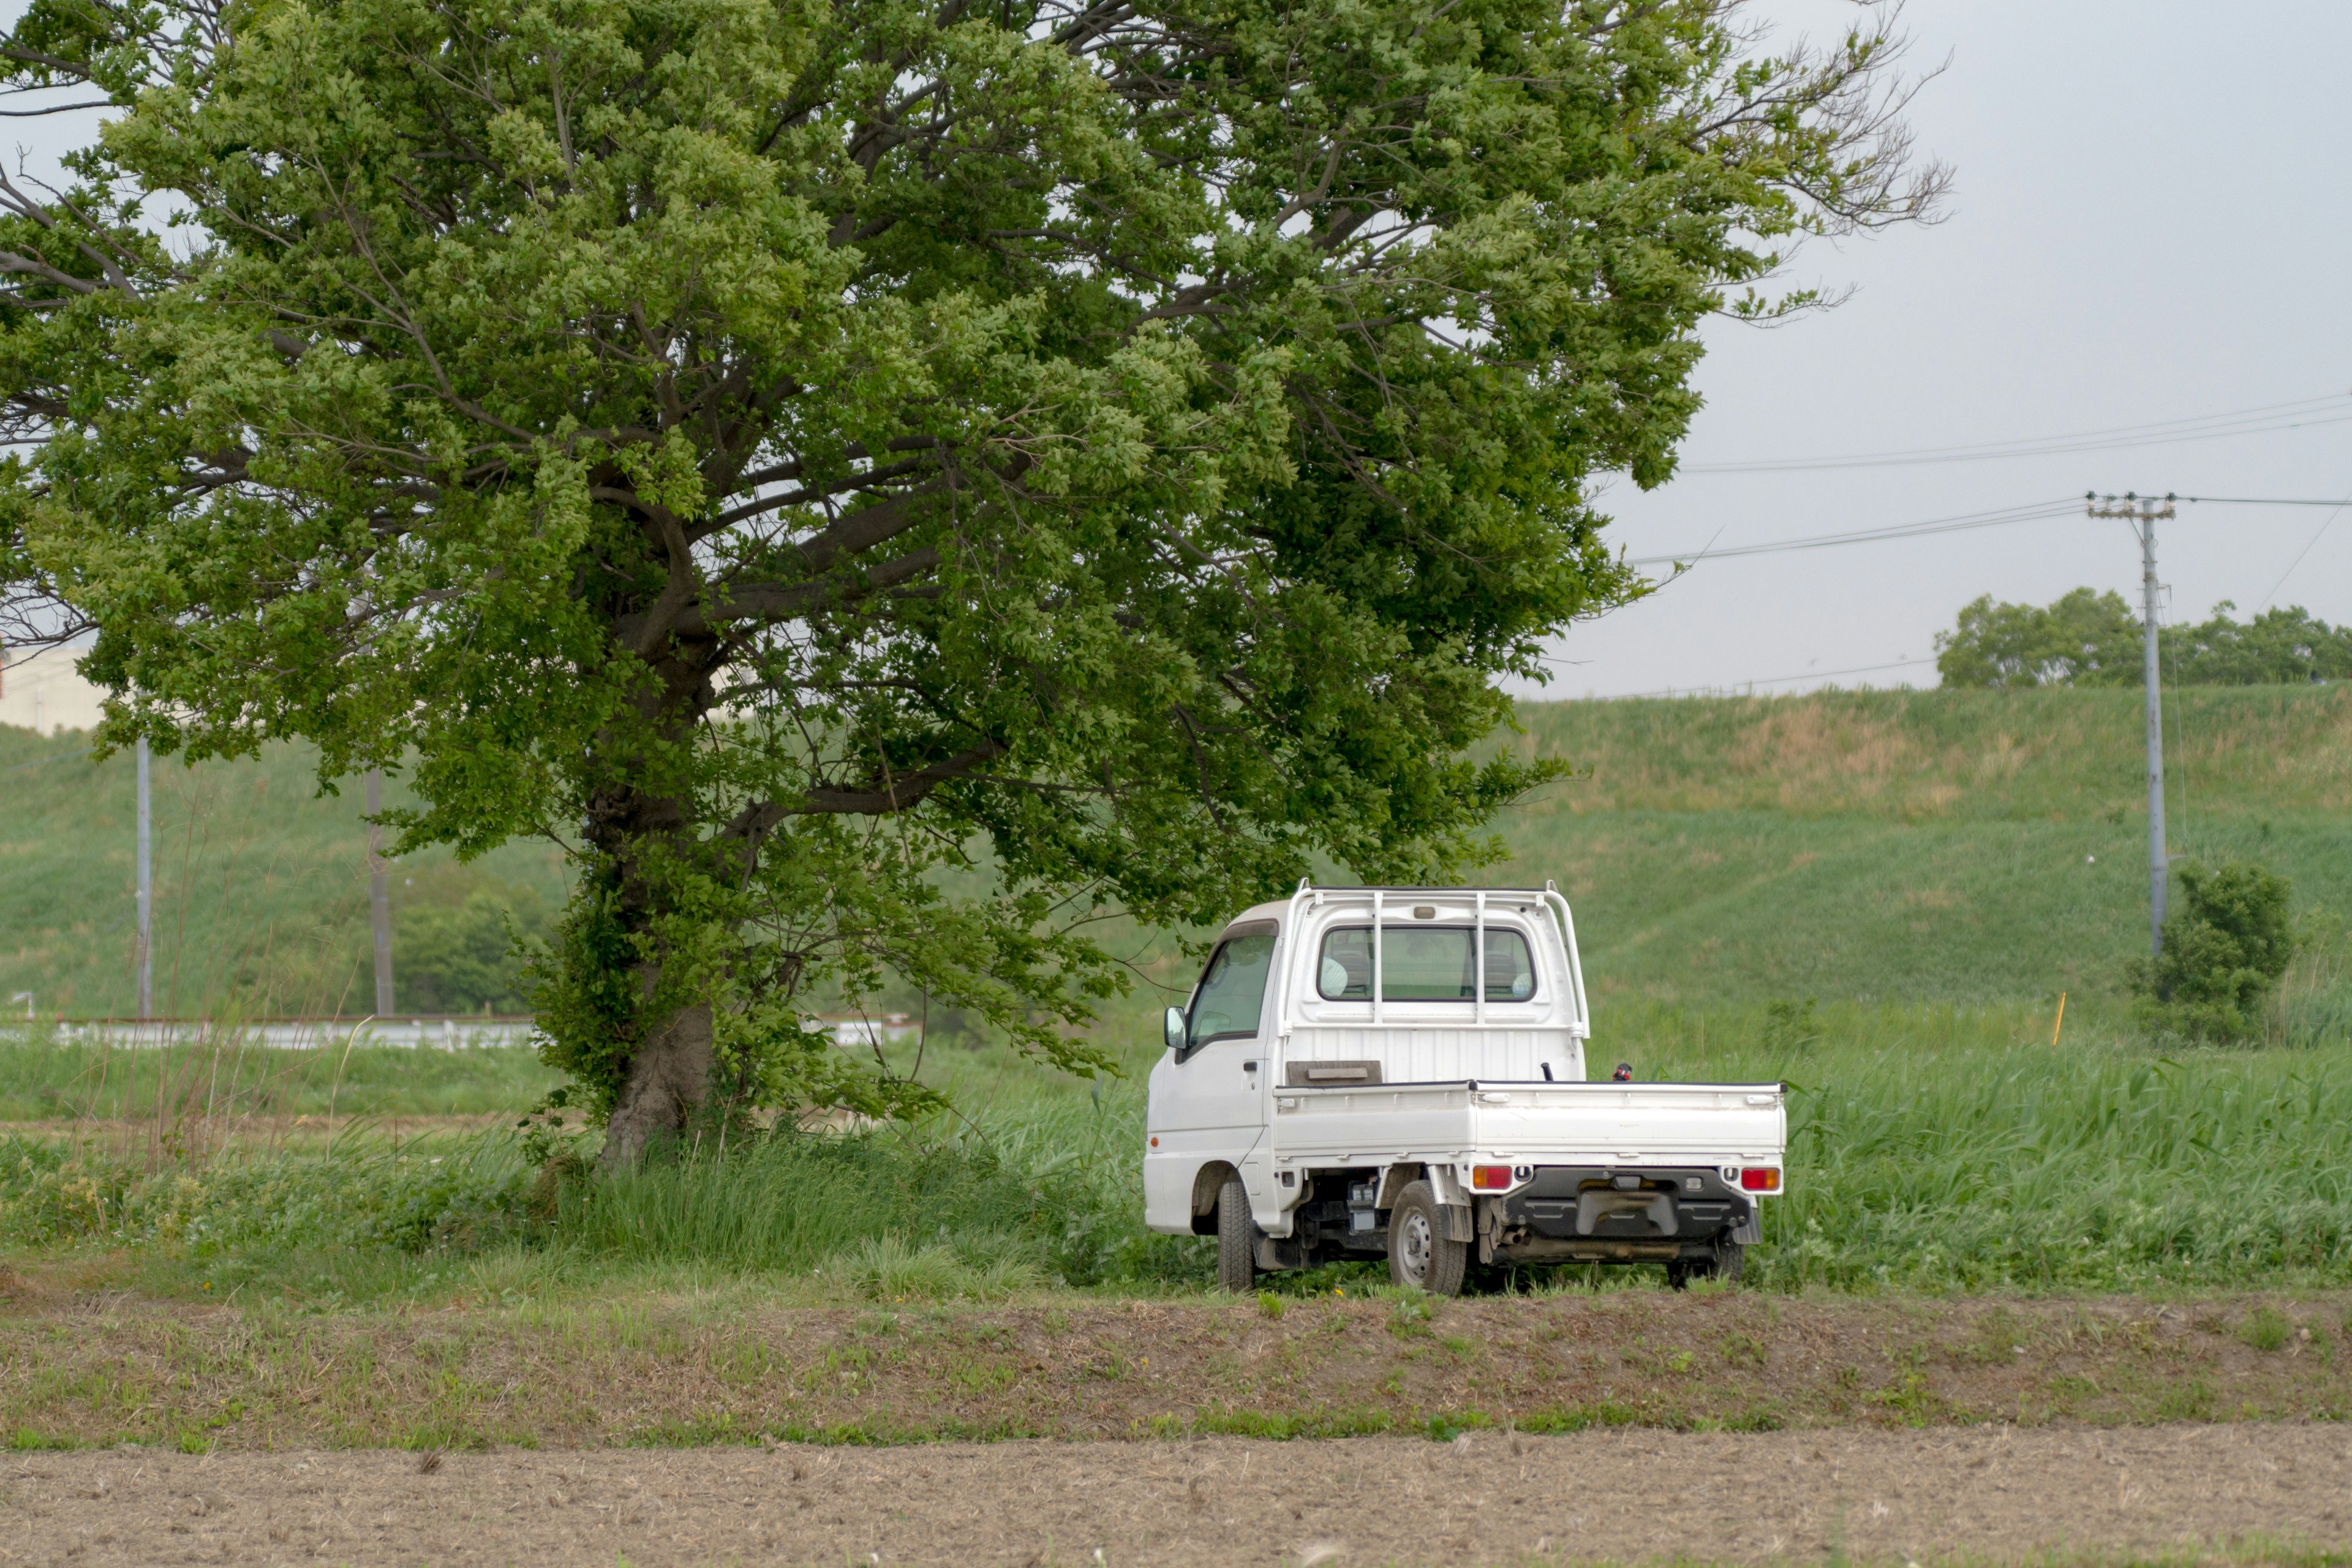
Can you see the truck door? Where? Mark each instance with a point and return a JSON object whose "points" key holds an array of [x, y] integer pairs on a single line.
{"points": [[1213, 1102]]}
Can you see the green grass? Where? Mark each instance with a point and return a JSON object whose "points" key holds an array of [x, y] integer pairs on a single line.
{"points": [[1937, 845], [44, 1079], [1933, 1148]]}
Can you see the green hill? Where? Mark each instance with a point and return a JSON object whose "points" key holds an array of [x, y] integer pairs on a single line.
{"points": [[1944, 846], [261, 883], [1963, 846]]}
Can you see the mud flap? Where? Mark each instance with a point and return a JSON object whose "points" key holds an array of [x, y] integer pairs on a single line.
{"points": [[1459, 1226]]}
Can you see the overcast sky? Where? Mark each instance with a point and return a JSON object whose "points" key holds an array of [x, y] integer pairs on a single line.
{"points": [[2150, 222]]}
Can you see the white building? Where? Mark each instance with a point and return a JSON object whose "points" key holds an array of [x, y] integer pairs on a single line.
{"points": [[41, 691]]}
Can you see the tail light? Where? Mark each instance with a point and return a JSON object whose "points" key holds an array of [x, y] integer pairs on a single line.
{"points": [[1759, 1178], [1490, 1178]]}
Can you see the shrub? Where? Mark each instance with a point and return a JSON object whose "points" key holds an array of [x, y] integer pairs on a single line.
{"points": [[2223, 954]]}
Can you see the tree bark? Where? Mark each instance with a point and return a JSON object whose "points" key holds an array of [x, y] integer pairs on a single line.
{"points": [[669, 1077]]}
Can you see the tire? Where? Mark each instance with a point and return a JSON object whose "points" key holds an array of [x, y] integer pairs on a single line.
{"points": [[1730, 1261], [1419, 1254], [1236, 1237]]}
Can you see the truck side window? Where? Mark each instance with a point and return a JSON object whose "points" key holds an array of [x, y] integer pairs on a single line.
{"points": [[1232, 990], [1424, 964]]}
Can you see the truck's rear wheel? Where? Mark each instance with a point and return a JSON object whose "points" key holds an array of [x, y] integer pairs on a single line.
{"points": [[1419, 1253], [1236, 1268]]}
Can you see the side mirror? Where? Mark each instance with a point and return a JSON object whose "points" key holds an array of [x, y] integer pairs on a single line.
{"points": [[1175, 1028]]}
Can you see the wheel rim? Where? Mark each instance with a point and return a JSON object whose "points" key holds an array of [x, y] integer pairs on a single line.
{"points": [[1414, 1246]]}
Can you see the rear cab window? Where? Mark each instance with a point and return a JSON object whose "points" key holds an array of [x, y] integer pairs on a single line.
{"points": [[1424, 963]]}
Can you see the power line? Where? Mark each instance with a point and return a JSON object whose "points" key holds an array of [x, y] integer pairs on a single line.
{"points": [[2262, 500], [2266, 419], [1771, 681], [2325, 524], [2031, 511]]}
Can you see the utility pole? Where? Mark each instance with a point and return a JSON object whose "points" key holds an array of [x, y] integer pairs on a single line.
{"points": [[2143, 512], [146, 950], [379, 896]]}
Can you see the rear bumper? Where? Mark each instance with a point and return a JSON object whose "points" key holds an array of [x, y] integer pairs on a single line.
{"points": [[1568, 1213]]}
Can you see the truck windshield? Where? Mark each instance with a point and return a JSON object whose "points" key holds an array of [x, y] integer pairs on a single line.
{"points": [[1231, 990], [1424, 964]]}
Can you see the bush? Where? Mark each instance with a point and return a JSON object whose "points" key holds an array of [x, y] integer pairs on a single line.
{"points": [[2223, 954], [458, 958]]}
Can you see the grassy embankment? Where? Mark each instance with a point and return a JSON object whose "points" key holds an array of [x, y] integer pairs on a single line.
{"points": [[261, 883]]}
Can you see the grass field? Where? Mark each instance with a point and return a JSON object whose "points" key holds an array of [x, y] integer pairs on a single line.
{"points": [[1876, 897]]}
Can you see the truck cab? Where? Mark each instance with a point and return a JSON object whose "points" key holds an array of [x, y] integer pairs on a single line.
{"points": [[1400, 1072]]}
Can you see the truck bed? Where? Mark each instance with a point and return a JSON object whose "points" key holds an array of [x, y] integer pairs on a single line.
{"points": [[1548, 1123]]}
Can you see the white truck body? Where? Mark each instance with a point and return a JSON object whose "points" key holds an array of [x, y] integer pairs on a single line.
{"points": [[1373, 1058]]}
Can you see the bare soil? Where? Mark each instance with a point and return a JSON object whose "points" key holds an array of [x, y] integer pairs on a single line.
{"points": [[2178, 1493], [85, 1368]]}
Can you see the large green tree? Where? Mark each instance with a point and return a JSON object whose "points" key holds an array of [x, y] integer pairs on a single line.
{"points": [[817, 458]]}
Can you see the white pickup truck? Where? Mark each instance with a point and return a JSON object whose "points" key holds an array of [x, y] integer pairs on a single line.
{"points": [[1341, 1084]]}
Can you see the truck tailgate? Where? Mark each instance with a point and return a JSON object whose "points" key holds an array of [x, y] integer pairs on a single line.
{"points": [[1605, 1124]]}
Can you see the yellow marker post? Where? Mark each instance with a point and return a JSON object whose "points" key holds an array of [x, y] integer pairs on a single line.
{"points": [[2060, 1023]]}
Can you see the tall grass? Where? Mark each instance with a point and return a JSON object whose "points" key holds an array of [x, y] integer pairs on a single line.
{"points": [[1931, 1147], [1052, 1193], [1953, 1148], [43, 1079]]}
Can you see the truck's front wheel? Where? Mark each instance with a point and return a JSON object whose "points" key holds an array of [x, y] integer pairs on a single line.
{"points": [[1236, 1268], [1419, 1253]]}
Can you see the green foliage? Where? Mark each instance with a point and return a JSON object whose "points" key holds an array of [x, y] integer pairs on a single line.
{"points": [[2095, 639], [2084, 638], [2223, 954], [467, 956], [797, 455], [460, 1193]]}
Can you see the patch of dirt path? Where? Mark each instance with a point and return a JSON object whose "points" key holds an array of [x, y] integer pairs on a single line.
{"points": [[1991, 1494]]}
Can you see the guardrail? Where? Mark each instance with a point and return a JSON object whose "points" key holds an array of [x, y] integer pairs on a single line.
{"points": [[439, 1032], [454, 1032]]}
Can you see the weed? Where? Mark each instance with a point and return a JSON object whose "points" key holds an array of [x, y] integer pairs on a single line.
{"points": [[2191, 1399], [2266, 1329], [1270, 1305], [1411, 1314]]}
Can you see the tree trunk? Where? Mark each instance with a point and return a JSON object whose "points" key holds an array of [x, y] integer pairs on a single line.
{"points": [[669, 1079], [669, 1073]]}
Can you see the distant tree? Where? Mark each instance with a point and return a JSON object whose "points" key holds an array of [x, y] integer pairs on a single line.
{"points": [[2084, 640], [2223, 954], [2095, 639], [462, 957], [2278, 648], [884, 484]]}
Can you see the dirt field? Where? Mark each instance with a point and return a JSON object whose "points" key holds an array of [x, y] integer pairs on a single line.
{"points": [[2181, 1493]]}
